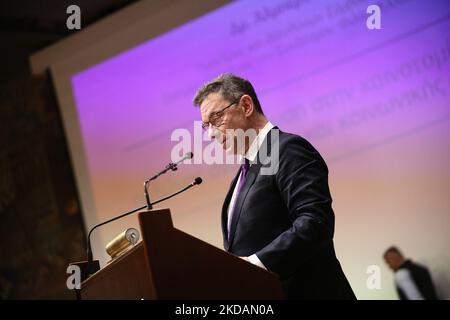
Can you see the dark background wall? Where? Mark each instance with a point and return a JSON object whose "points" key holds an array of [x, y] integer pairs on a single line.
{"points": [[41, 228], [40, 222]]}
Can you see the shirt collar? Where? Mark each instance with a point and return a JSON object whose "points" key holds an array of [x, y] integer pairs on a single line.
{"points": [[257, 142]]}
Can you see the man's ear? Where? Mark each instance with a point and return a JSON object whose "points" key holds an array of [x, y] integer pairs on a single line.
{"points": [[247, 105]]}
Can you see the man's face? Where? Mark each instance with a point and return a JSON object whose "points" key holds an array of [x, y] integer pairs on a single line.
{"points": [[226, 121], [393, 260]]}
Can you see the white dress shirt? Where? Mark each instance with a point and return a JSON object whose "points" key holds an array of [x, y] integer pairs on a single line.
{"points": [[406, 283], [251, 154]]}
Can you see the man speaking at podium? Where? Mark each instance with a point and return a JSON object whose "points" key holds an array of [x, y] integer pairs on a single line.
{"points": [[278, 217]]}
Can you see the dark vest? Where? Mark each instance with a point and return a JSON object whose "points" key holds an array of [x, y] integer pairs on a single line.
{"points": [[421, 277]]}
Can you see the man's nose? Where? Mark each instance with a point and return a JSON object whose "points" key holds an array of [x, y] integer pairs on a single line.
{"points": [[215, 133], [211, 132]]}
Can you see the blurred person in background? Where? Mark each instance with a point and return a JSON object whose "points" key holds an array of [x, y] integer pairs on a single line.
{"points": [[412, 281]]}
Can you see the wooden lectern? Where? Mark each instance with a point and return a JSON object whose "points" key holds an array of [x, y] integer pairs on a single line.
{"points": [[171, 264]]}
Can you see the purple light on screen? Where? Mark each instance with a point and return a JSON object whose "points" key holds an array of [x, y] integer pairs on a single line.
{"points": [[318, 70]]}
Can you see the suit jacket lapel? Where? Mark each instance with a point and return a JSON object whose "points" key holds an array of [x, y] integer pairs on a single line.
{"points": [[225, 205], [249, 180]]}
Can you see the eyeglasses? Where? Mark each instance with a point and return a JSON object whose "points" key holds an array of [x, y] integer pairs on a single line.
{"points": [[215, 117]]}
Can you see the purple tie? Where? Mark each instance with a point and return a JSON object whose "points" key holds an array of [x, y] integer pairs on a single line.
{"points": [[244, 169]]}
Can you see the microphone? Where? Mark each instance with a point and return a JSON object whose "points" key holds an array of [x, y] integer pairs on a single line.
{"points": [[187, 156], [170, 166], [90, 258], [173, 166], [196, 181]]}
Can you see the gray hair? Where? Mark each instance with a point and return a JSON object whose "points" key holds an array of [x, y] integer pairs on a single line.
{"points": [[231, 87]]}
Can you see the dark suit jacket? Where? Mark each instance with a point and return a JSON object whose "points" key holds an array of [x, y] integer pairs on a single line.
{"points": [[287, 220], [422, 279]]}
